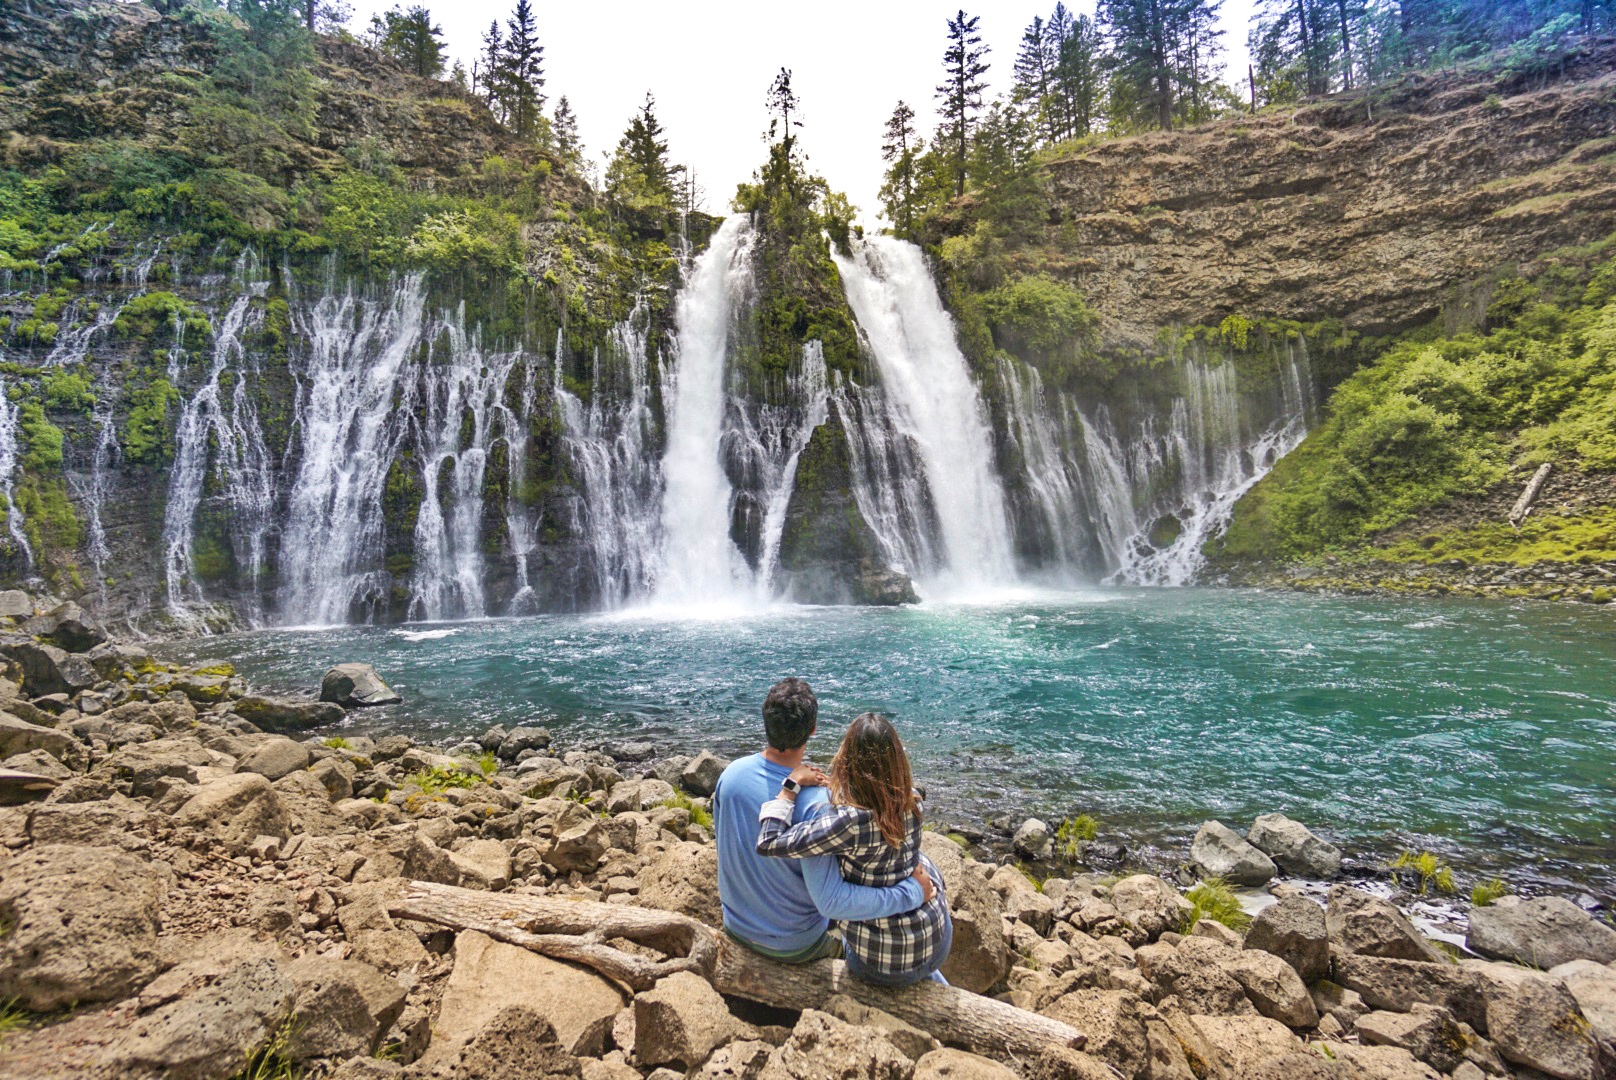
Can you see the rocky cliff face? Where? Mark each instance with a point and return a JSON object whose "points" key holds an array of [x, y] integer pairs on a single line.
{"points": [[1381, 209]]}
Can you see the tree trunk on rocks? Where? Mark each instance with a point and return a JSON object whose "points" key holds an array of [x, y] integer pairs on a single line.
{"points": [[1523, 505], [581, 931]]}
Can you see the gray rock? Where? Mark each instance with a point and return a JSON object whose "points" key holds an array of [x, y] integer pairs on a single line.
{"points": [[275, 758], [1294, 930], [523, 738], [1336, 1001], [638, 795], [910, 1040], [1534, 1020], [1150, 904], [953, 1064], [83, 925], [1274, 987], [517, 1043], [632, 752], [490, 739], [237, 809], [669, 770], [680, 1021], [1032, 839], [684, 878], [1428, 1032], [343, 1008], [1393, 984], [283, 715], [1594, 987], [822, 1047], [981, 955], [47, 669], [1294, 848], [143, 764], [1218, 851], [1361, 923], [355, 686], [67, 626], [210, 1033], [115, 660], [20, 737], [1545, 932], [38, 762], [700, 777], [16, 604]]}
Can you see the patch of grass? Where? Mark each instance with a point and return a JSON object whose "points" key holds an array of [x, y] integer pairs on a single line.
{"points": [[1550, 538], [1485, 892], [1073, 833], [1430, 869], [699, 815], [13, 1018], [488, 763], [335, 742], [1032, 879], [1213, 899], [962, 841], [270, 1062], [439, 778]]}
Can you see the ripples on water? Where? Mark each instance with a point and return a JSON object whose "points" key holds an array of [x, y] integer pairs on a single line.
{"points": [[1484, 730]]}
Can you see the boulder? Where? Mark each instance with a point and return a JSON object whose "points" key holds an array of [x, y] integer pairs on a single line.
{"points": [[684, 879], [115, 660], [700, 777], [490, 976], [237, 809], [356, 686], [143, 764], [981, 955], [1361, 923], [483, 864], [1534, 1020], [275, 758], [16, 604], [1274, 987], [1361, 1062], [83, 925], [343, 1008], [822, 1047], [1545, 932], [1242, 1044], [743, 1059], [1150, 905], [47, 669], [1396, 985], [1223, 935], [516, 1043], [1293, 930], [1293, 847], [1032, 909], [1428, 1032], [958, 1065], [209, 1033], [1219, 852], [680, 1021], [1033, 839], [523, 738], [66, 626], [21, 737], [579, 847], [1594, 987], [910, 1040], [638, 795], [1194, 973], [1113, 1022], [283, 715], [1336, 1001]]}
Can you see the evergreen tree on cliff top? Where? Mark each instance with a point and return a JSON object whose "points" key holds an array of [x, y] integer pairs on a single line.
{"points": [[901, 150], [524, 72], [1163, 57], [638, 175], [408, 36], [960, 93]]}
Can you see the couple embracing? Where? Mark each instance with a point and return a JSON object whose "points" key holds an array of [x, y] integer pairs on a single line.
{"points": [[812, 865]]}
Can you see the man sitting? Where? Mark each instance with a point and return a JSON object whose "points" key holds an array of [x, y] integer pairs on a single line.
{"points": [[781, 908]]}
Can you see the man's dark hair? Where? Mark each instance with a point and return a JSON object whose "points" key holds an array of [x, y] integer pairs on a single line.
{"points": [[789, 713]]}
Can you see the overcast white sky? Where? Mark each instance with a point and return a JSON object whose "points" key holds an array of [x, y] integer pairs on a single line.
{"points": [[710, 65]]}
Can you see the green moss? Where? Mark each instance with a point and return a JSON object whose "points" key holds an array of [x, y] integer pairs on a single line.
{"points": [[65, 389], [155, 314], [147, 437], [221, 669], [1548, 538], [42, 439]]}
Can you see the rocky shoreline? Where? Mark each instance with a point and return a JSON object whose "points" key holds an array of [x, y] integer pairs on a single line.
{"points": [[192, 886]]}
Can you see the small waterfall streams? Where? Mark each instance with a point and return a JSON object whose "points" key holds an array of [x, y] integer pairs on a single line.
{"points": [[933, 401], [10, 419]]}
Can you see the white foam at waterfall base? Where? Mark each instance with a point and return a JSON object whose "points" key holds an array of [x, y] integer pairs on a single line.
{"points": [[932, 401], [699, 562]]}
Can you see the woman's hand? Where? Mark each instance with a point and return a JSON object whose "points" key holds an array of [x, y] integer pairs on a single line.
{"points": [[928, 887], [809, 776]]}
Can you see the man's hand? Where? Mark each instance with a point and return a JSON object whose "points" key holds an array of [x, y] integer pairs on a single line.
{"points": [[927, 886]]}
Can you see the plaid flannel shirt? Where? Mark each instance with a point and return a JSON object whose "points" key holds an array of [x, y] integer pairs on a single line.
{"points": [[893, 945]]}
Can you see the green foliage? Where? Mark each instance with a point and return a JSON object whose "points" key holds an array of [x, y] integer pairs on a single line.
{"points": [[1073, 833], [70, 390], [1429, 869], [13, 1017], [272, 1061], [147, 439], [699, 815], [335, 742], [488, 763], [437, 779], [42, 439], [1213, 899], [155, 314], [1432, 420], [1485, 892]]}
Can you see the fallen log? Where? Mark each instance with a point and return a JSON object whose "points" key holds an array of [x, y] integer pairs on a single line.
{"points": [[1534, 487], [583, 931]]}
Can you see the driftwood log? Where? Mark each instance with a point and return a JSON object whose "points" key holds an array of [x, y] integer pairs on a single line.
{"points": [[1534, 487], [594, 934]]}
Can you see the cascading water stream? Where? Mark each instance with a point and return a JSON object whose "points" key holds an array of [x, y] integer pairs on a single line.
{"points": [[932, 400], [699, 562], [349, 417], [10, 419]]}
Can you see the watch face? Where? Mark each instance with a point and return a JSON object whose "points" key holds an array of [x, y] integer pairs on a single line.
{"points": [[790, 784]]}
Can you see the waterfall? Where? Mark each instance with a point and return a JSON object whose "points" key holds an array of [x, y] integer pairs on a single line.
{"points": [[1038, 428], [608, 442], [10, 420], [462, 416], [889, 481], [518, 522], [95, 495], [932, 400], [699, 561], [349, 416], [220, 412], [773, 444]]}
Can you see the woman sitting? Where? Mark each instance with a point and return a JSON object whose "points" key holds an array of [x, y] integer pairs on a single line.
{"points": [[873, 828]]}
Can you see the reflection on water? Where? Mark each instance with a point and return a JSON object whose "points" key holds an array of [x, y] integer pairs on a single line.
{"points": [[1486, 730]]}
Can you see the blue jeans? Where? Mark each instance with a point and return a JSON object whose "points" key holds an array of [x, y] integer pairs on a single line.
{"points": [[864, 973]]}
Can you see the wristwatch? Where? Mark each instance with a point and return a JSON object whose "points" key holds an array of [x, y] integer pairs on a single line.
{"points": [[790, 785]]}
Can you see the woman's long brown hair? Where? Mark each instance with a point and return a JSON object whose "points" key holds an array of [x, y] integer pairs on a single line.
{"points": [[872, 771]]}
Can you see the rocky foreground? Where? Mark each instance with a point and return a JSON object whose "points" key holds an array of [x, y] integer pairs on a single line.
{"points": [[190, 888]]}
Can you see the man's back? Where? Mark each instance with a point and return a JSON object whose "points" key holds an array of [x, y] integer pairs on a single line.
{"points": [[766, 901]]}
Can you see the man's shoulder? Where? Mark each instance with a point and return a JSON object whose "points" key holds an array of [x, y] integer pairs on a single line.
{"points": [[750, 765]]}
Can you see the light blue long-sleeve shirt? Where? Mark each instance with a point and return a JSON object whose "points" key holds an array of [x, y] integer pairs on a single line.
{"points": [[785, 904]]}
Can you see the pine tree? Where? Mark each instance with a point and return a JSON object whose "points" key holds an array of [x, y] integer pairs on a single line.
{"points": [[409, 37], [1141, 36], [523, 74], [960, 94], [490, 71], [1034, 73], [638, 174], [568, 145], [1079, 75], [781, 103], [458, 76], [900, 149]]}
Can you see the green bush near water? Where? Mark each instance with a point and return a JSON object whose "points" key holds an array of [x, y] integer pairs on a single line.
{"points": [[1213, 899], [699, 815]]}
